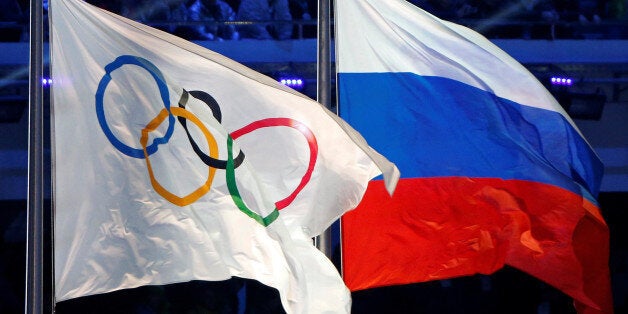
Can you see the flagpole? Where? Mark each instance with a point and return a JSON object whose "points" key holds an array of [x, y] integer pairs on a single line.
{"points": [[323, 241], [34, 236]]}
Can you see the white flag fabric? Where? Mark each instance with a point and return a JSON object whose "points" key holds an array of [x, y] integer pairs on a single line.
{"points": [[173, 163]]}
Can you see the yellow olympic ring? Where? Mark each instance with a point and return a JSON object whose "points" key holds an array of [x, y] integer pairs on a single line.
{"points": [[213, 152]]}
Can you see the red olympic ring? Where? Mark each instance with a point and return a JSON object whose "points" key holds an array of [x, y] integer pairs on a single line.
{"points": [[311, 141]]}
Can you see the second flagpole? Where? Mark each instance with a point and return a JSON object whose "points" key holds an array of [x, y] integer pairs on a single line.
{"points": [[323, 95], [34, 298]]}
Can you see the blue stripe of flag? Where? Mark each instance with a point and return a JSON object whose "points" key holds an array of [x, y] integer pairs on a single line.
{"points": [[438, 127]]}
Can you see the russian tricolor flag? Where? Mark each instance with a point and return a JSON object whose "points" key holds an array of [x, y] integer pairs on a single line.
{"points": [[493, 170]]}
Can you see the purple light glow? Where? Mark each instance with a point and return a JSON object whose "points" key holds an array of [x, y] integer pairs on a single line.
{"points": [[295, 83], [563, 81]]}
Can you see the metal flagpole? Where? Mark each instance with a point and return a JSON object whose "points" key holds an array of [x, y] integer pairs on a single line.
{"points": [[35, 236], [323, 241]]}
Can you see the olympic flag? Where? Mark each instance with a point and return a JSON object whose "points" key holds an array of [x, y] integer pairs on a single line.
{"points": [[173, 163], [493, 171]]}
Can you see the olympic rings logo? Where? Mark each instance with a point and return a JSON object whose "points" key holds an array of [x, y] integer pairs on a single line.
{"points": [[212, 161]]}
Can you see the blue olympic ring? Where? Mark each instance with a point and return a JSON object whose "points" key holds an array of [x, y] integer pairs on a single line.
{"points": [[165, 97]]}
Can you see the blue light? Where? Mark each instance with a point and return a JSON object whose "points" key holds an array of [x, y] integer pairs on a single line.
{"points": [[563, 81], [293, 82]]}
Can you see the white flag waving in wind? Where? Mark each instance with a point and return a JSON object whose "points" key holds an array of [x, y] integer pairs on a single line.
{"points": [[173, 163]]}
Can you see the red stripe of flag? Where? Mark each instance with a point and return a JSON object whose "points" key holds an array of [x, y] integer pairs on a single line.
{"points": [[440, 228]]}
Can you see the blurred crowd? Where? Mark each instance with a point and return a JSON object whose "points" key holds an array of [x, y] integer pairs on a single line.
{"points": [[193, 19], [534, 18], [278, 19], [583, 11], [215, 19]]}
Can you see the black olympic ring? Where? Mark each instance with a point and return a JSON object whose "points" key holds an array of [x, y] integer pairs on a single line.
{"points": [[215, 109]]}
